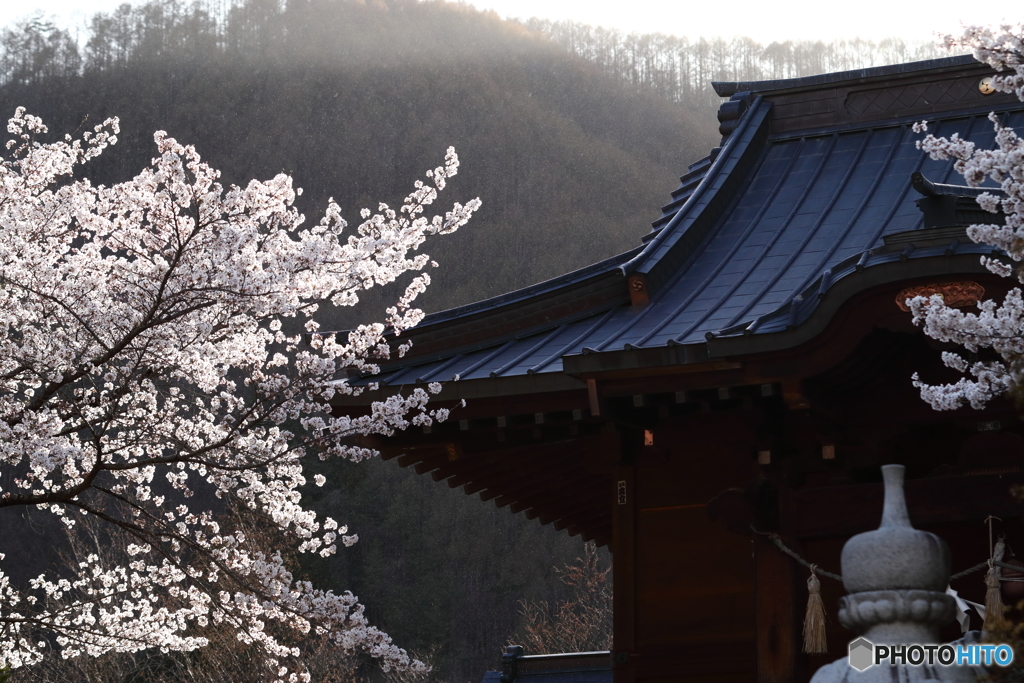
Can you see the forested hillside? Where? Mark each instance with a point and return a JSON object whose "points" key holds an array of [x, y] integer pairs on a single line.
{"points": [[357, 99], [682, 70]]}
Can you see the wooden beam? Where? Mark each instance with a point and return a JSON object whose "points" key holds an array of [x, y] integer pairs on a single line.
{"points": [[458, 480], [597, 514], [527, 494], [451, 453], [474, 469], [566, 522], [589, 496], [495, 481], [514, 458], [562, 524], [462, 472], [425, 466], [593, 397], [793, 394], [847, 510], [538, 472], [775, 607], [714, 366], [601, 534], [442, 473], [593, 518], [393, 448], [565, 517], [411, 458], [623, 543]]}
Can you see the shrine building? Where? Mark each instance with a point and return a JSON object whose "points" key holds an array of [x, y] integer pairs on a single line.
{"points": [[746, 367]]}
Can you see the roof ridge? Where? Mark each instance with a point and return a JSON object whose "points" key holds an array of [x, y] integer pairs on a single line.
{"points": [[729, 88], [724, 164]]}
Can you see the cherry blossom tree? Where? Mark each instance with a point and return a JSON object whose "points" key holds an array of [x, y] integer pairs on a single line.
{"points": [[997, 326], [147, 381]]}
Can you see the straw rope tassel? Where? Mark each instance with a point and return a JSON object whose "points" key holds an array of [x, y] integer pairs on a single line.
{"points": [[814, 621], [993, 599]]}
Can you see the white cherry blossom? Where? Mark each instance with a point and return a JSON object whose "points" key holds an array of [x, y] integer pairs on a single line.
{"points": [[146, 376], [997, 326]]}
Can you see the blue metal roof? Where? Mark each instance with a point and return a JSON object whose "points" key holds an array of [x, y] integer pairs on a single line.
{"points": [[749, 244]]}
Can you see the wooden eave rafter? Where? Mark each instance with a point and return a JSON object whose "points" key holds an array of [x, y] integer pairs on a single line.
{"points": [[573, 491], [560, 475]]}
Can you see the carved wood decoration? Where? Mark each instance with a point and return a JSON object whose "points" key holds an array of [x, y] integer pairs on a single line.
{"points": [[954, 294], [638, 295]]}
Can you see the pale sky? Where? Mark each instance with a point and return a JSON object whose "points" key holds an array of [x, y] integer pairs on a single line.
{"points": [[763, 20]]}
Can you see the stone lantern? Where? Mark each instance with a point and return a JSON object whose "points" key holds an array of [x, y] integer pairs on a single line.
{"points": [[896, 576]]}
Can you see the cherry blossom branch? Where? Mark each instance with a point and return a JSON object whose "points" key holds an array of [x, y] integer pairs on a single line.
{"points": [[141, 338], [997, 326]]}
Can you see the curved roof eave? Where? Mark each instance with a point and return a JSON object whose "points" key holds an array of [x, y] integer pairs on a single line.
{"points": [[730, 164], [576, 277], [669, 248], [839, 293], [842, 290], [688, 227], [682, 232]]}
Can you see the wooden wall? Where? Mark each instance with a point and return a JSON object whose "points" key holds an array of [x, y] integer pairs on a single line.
{"points": [[692, 595]]}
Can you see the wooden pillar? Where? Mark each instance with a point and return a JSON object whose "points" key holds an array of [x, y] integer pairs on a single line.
{"points": [[624, 575], [778, 613]]}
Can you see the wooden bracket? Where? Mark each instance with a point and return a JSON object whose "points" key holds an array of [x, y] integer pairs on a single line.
{"points": [[595, 402], [793, 395]]}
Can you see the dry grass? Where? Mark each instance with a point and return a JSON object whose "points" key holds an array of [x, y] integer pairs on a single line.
{"points": [[580, 623]]}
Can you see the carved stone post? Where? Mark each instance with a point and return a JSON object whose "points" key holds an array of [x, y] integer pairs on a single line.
{"points": [[896, 577]]}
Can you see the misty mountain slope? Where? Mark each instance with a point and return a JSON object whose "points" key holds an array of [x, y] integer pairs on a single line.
{"points": [[357, 100]]}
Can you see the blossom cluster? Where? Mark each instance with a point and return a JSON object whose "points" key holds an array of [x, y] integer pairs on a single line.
{"points": [[997, 326], [146, 377]]}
